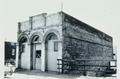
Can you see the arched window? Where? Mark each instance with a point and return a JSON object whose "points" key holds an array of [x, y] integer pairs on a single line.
{"points": [[53, 36], [22, 42], [35, 39]]}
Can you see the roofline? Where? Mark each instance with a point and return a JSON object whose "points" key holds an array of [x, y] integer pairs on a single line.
{"points": [[86, 24]]}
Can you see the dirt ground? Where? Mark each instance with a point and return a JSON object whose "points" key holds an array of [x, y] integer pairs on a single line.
{"points": [[36, 74]]}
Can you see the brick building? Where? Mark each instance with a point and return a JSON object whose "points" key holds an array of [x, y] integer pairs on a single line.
{"points": [[10, 52], [45, 38]]}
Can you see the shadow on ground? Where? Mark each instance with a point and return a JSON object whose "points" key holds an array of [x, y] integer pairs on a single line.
{"points": [[47, 74], [37, 74]]}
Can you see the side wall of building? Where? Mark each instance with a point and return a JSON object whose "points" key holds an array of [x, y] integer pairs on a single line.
{"points": [[84, 42]]}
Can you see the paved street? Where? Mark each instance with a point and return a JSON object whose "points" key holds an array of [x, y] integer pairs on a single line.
{"points": [[36, 74]]}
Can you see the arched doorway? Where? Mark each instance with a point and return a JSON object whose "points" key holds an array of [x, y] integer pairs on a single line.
{"points": [[51, 50], [35, 53], [22, 49]]}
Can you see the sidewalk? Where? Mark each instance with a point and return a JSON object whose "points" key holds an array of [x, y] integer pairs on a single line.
{"points": [[37, 74]]}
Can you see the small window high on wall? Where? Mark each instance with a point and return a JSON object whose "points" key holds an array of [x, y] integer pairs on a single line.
{"points": [[55, 46], [22, 48]]}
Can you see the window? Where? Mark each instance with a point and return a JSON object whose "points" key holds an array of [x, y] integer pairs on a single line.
{"points": [[55, 46], [38, 53], [13, 51], [36, 39], [22, 48]]}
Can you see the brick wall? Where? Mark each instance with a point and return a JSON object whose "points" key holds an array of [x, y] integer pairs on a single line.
{"points": [[81, 41]]}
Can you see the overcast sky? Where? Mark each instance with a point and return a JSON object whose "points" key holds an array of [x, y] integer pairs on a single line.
{"points": [[101, 14]]}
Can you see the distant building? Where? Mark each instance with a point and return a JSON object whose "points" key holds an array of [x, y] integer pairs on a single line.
{"points": [[10, 51], [45, 38]]}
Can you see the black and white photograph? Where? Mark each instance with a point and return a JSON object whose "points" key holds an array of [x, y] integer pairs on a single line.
{"points": [[59, 39]]}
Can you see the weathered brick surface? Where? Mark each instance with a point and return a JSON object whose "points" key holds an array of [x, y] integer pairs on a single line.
{"points": [[81, 41], [25, 26], [38, 21]]}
